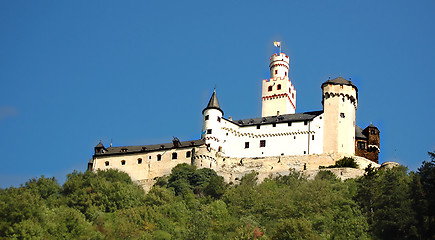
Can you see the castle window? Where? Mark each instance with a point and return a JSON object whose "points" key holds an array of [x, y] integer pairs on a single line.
{"points": [[159, 157], [361, 145], [293, 95], [294, 137], [206, 117], [278, 87], [289, 90], [312, 137], [269, 88], [273, 124], [139, 161], [258, 126], [219, 119], [188, 154], [305, 122], [246, 144], [208, 131], [262, 143], [289, 124], [174, 155], [276, 71], [123, 162], [106, 163], [305, 152], [342, 115], [149, 157], [285, 73]]}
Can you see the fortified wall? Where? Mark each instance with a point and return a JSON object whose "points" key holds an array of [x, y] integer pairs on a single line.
{"points": [[233, 169]]}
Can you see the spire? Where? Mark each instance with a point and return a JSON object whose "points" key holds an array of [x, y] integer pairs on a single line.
{"points": [[213, 103]]}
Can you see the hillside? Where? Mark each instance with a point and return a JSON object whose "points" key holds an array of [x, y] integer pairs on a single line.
{"points": [[195, 203]]}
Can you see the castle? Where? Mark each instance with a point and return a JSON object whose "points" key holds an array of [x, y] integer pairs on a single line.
{"points": [[279, 139]]}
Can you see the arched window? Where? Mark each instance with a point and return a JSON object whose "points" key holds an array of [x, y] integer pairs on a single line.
{"points": [[278, 87], [174, 155], [123, 162], [269, 88], [139, 161]]}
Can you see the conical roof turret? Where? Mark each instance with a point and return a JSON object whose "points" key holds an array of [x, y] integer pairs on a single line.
{"points": [[213, 103]]}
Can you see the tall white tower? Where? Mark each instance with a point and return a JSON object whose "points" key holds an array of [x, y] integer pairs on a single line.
{"points": [[211, 130], [340, 100], [278, 92]]}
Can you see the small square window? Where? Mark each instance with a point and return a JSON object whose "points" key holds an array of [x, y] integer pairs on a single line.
{"points": [[273, 124], [289, 124], [149, 157], [246, 144], [258, 126], [123, 162], [188, 154], [208, 131], [106, 163], [278, 87], [159, 157], [139, 161], [262, 143], [206, 117], [174, 155], [342, 115], [305, 122], [305, 152], [269, 88]]}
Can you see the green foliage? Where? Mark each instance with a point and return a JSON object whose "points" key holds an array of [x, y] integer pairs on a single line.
{"points": [[195, 203], [342, 163]]}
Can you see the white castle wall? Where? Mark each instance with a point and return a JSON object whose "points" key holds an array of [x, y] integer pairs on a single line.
{"points": [[281, 139]]}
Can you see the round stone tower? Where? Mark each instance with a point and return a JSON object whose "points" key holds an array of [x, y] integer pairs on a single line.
{"points": [[278, 93], [340, 100], [211, 130]]}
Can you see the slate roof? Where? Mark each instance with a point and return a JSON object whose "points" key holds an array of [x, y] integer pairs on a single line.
{"points": [[213, 103], [297, 117], [340, 81], [149, 148], [359, 133]]}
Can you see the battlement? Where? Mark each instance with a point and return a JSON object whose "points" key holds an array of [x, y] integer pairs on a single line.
{"points": [[279, 60]]}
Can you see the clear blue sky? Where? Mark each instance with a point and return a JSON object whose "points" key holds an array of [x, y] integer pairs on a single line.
{"points": [[140, 72]]}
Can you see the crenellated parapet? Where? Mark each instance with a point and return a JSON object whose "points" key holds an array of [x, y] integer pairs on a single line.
{"points": [[344, 96]]}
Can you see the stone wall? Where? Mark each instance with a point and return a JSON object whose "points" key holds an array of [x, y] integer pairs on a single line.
{"points": [[233, 169]]}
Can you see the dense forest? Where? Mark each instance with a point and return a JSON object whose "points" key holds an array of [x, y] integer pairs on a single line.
{"points": [[197, 204]]}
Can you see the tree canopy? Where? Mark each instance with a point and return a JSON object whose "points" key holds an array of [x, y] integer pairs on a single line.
{"points": [[195, 203]]}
